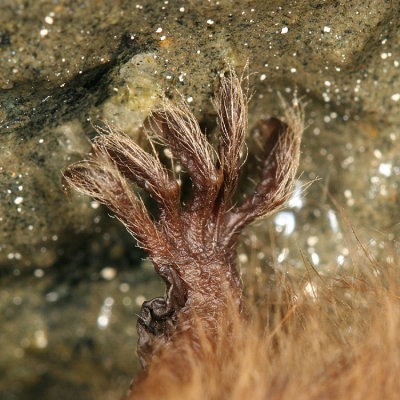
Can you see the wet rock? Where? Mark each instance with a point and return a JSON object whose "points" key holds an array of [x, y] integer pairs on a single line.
{"points": [[34, 210], [136, 95], [74, 62], [60, 336]]}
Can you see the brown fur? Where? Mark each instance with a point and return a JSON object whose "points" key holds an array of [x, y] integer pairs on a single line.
{"points": [[192, 246], [340, 341]]}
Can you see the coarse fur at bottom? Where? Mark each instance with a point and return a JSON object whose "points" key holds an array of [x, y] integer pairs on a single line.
{"points": [[338, 341]]}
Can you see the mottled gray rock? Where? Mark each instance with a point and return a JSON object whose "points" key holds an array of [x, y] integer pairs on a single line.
{"points": [[59, 338], [65, 64]]}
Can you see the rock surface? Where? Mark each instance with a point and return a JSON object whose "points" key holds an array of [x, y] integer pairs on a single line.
{"points": [[64, 64]]}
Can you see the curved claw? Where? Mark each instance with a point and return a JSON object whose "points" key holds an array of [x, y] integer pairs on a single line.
{"points": [[155, 322]]}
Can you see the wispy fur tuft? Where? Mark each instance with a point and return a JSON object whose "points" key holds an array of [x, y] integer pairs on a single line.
{"points": [[338, 341], [99, 179], [231, 105]]}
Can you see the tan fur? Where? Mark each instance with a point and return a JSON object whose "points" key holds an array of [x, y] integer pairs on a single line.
{"points": [[342, 342]]}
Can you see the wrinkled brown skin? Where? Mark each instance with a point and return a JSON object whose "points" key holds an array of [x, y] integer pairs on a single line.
{"points": [[192, 246]]}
